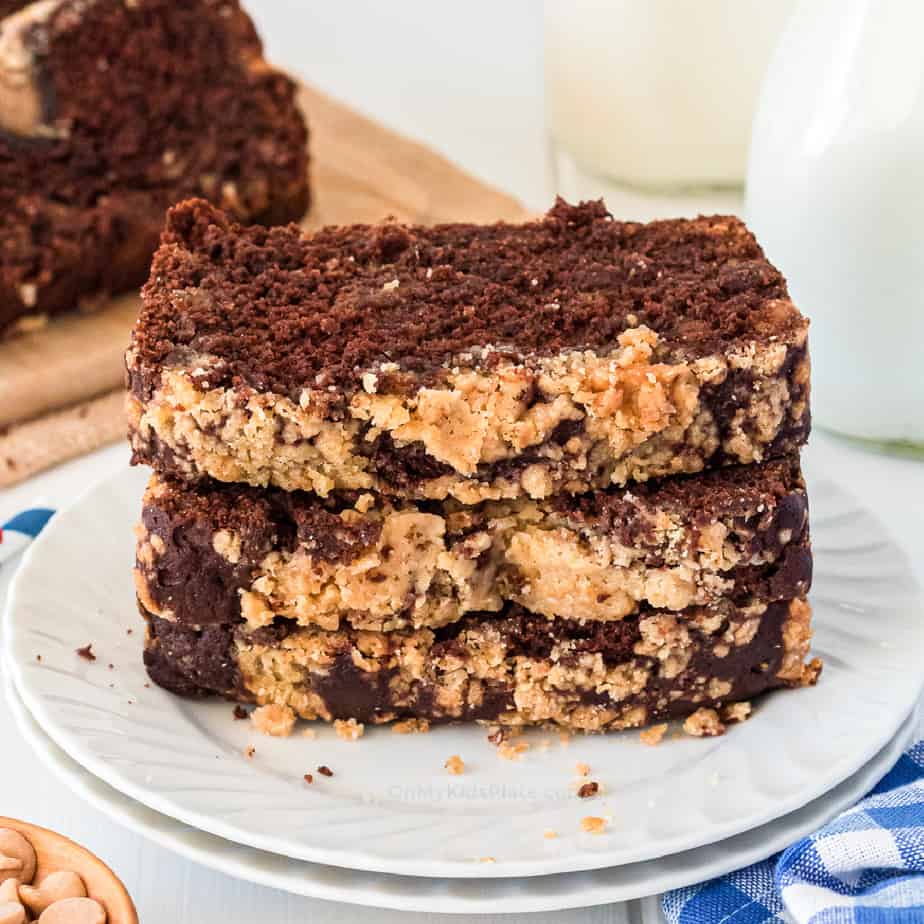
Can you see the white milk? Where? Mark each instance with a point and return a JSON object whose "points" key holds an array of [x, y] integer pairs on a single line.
{"points": [[836, 195], [658, 94]]}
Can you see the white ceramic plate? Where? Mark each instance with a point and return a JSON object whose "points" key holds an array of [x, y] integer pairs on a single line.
{"points": [[457, 896], [391, 806]]}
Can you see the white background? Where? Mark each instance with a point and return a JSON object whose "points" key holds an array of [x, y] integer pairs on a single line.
{"points": [[467, 79]]}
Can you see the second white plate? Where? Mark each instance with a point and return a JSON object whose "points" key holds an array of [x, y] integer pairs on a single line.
{"points": [[391, 806], [459, 896]]}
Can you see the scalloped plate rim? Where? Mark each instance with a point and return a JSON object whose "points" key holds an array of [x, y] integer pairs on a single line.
{"points": [[417, 864], [366, 889]]}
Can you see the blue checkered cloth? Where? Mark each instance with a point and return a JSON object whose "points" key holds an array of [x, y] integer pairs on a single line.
{"points": [[865, 867]]}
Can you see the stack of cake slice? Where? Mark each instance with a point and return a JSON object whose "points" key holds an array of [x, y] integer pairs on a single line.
{"points": [[544, 473]]}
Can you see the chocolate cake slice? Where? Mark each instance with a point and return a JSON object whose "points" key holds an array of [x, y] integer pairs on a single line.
{"points": [[512, 668], [460, 361], [113, 110], [222, 554]]}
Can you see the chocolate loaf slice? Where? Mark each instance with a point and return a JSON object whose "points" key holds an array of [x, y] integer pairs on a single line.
{"points": [[473, 362], [111, 111], [513, 668], [220, 554]]}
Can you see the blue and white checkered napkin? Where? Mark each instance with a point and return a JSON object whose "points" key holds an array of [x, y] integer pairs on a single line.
{"points": [[21, 530], [865, 867]]}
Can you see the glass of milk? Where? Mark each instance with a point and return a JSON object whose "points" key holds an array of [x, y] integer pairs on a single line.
{"points": [[655, 96]]}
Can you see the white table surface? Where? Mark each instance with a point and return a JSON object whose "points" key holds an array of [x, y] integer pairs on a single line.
{"points": [[467, 80]]}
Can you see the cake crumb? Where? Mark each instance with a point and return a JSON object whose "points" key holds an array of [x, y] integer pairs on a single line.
{"points": [[455, 765], [549, 834], [811, 672], [496, 735], [737, 712], [486, 860], [310, 734], [593, 825], [564, 739], [652, 736], [349, 729], [512, 750], [240, 713], [274, 720], [325, 771], [249, 751], [308, 778], [582, 769], [411, 727], [588, 790], [86, 652], [704, 723]]}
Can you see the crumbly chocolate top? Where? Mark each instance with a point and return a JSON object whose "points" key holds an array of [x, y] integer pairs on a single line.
{"points": [[284, 310]]}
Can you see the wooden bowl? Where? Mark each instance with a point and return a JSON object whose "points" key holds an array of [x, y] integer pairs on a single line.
{"points": [[54, 852]]}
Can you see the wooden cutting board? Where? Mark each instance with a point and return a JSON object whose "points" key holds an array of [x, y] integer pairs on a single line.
{"points": [[59, 385]]}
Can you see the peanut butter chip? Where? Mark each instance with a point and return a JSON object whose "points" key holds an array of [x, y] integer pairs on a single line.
{"points": [[74, 911]]}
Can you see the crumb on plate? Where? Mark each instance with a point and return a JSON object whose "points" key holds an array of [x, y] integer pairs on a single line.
{"points": [[455, 765], [652, 736], [274, 720]]}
